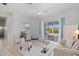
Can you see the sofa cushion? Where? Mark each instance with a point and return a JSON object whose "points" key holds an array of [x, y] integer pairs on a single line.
{"points": [[65, 52], [76, 45], [63, 43], [70, 42]]}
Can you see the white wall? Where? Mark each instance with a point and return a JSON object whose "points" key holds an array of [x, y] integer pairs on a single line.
{"points": [[16, 26], [35, 23]]}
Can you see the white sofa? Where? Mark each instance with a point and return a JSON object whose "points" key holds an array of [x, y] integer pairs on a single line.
{"points": [[64, 51]]}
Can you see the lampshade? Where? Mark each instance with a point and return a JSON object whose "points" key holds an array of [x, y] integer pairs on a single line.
{"points": [[77, 32], [0, 27]]}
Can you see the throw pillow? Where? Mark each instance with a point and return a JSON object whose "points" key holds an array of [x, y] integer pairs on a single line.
{"points": [[76, 45]]}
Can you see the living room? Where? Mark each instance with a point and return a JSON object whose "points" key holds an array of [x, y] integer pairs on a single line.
{"points": [[50, 29]]}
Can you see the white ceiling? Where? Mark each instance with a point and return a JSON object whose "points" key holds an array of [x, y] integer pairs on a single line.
{"points": [[33, 9]]}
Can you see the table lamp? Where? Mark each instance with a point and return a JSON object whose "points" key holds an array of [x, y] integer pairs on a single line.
{"points": [[77, 32]]}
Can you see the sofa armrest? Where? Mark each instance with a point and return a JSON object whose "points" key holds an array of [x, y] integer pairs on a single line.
{"points": [[65, 52]]}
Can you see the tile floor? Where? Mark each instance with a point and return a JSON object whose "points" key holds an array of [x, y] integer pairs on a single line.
{"points": [[7, 50]]}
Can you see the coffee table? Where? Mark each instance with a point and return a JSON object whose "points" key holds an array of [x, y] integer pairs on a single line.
{"points": [[36, 50]]}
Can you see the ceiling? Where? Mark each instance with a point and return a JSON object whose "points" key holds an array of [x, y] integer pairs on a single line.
{"points": [[34, 8]]}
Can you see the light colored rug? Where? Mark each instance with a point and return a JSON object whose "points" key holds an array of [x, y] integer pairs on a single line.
{"points": [[35, 50], [37, 46]]}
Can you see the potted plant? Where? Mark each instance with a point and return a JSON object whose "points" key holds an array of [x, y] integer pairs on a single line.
{"points": [[23, 35]]}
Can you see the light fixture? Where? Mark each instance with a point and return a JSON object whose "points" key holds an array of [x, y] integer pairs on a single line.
{"points": [[77, 32], [0, 27], [39, 13]]}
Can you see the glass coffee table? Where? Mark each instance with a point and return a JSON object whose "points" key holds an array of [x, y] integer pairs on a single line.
{"points": [[37, 48]]}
